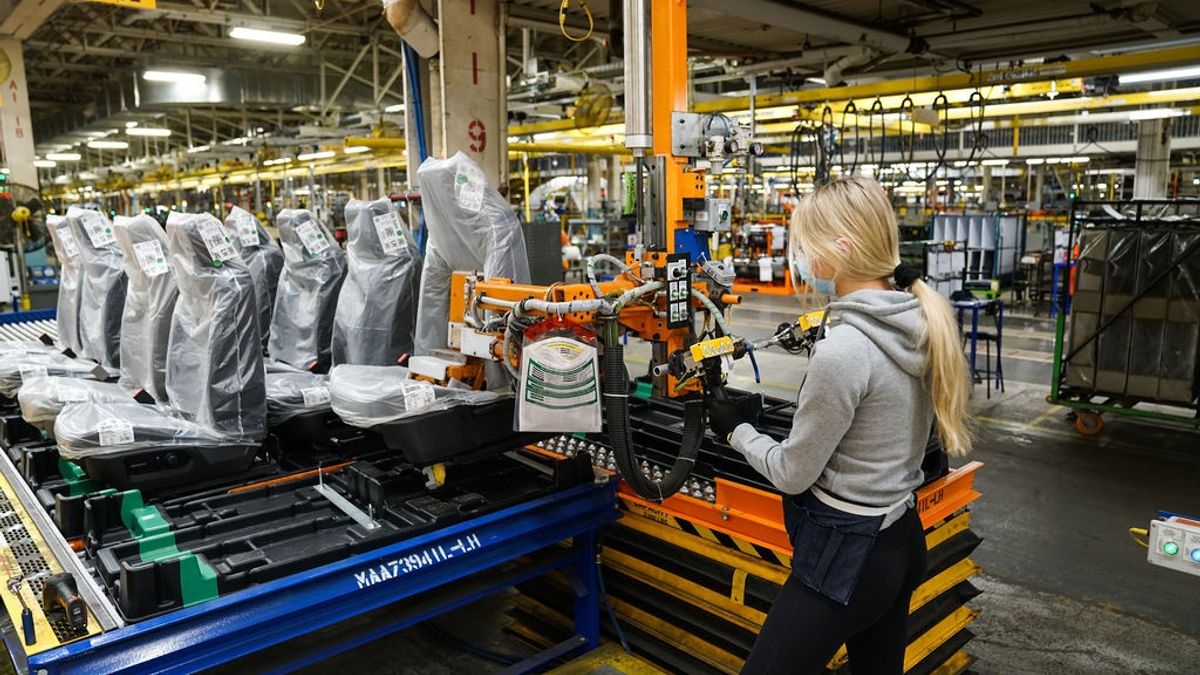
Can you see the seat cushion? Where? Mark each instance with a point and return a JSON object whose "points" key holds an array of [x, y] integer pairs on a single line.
{"points": [[294, 393], [43, 398], [86, 430], [368, 396], [13, 372]]}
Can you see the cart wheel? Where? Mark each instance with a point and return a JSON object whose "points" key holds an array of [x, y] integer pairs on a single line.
{"points": [[1089, 423]]}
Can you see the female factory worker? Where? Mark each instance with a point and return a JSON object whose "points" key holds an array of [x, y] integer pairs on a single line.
{"points": [[876, 383]]}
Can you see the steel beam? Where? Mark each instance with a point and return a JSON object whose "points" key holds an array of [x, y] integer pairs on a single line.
{"points": [[180, 12], [27, 17], [801, 20]]}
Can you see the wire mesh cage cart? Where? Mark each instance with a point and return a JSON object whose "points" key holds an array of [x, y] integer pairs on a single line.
{"points": [[1127, 335]]}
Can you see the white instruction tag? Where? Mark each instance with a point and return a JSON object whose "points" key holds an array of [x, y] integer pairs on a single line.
{"points": [[30, 372], [97, 228], [68, 242], [312, 237], [247, 229], [219, 246], [315, 396], [391, 237], [470, 190], [150, 257], [67, 394], [113, 431], [417, 395]]}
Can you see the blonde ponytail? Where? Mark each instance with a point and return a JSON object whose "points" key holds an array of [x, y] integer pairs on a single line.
{"points": [[857, 210], [948, 379]]}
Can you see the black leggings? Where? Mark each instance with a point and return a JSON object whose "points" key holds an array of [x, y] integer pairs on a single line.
{"points": [[804, 629]]}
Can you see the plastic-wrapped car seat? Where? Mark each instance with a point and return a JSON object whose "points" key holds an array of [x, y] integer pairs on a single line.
{"points": [[377, 307], [471, 228], [264, 259], [102, 286], [66, 249], [215, 373], [314, 265], [149, 304]]}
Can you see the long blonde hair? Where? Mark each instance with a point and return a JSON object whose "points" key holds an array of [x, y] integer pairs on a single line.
{"points": [[849, 226]]}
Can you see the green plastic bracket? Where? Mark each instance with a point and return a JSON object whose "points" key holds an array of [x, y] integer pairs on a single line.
{"points": [[197, 580], [156, 543], [643, 390], [76, 478]]}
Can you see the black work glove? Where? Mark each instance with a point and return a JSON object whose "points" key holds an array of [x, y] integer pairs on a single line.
{"points": [[724, 416]]}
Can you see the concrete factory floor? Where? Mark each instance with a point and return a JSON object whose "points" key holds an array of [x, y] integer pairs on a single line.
{"points": [[1065, 589]]}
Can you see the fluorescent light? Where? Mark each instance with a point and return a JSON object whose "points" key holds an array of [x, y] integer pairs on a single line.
{"points": [[130, 125], [309, 156], [200, 148], [355, 149], [1184, 73], [1035, 160], [276, 161], [816, 80], [394, 108], [269, 36], [45, 163], [1155, 114], [148, 131], [174, 76], [994, 162], [108, 145], [64, 156], [89, 175]]}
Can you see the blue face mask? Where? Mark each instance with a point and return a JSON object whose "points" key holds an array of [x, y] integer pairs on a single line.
{"points": [[822, 286]]}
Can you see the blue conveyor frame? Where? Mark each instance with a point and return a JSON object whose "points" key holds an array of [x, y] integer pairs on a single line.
{"points": [[514, 544]]}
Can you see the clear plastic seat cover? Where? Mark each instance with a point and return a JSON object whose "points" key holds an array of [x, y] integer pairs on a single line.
{"points": [[13, 372], [43, 398], [93, 429], [368, 396], [377, 306], [262, 256], [149, 304], [471, 229], [314, 265], [294, 393], [66, 250], [102, 286]]}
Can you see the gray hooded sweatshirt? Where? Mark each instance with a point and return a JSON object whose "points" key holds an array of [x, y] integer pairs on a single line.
{"points": [[864, 410]]}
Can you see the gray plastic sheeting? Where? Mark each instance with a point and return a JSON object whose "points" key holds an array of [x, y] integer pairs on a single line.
{"points": [[314, 265], [471, 229], [262, 256], [377, 308], [102, 286], [149, 304]]}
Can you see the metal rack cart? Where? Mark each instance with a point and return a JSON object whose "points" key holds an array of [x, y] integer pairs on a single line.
{"points": [[1132, 345]]}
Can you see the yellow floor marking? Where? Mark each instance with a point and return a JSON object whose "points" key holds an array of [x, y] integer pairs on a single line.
{"points": [[1045, 415]]}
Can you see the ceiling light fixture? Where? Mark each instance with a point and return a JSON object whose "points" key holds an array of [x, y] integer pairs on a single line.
{"points": [[268, 36], [64, 156], [1184, 73], [355, 149], [173, 76], [310, 156], [148, 131], [199, 148], [44, 163], [394, 108], [108, 145]]}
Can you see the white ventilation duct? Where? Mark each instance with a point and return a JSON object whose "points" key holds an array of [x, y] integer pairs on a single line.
{"points": [[411, 22]]}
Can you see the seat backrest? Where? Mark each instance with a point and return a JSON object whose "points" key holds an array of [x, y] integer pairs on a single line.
{"points": [[102, 287], [262, 256], [313, 268], [66, 249], [215, 372], [471, 229], [149, 304], [377, 307]]}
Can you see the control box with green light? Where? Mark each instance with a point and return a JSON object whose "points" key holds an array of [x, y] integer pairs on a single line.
{"points": [[1175, 543]]}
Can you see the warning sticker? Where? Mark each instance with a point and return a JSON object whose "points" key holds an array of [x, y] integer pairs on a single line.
{"points": [[113, 431], [219, 246], [70, 246], [247, 229], [312, 237], [315, 396], [97, 228], [417, 395], [391, 237], [469, 186], [150, 257], [68, 394], [30, 372]]}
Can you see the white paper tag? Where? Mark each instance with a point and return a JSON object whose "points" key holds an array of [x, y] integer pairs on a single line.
{"points": [[315, 396], [98, 229], [68, 242], [67, 394], [470, 190], [312, 237], [219, 246], [150, 257], [417, 395], [113, 431], [247, 229], [30, 372], [387, 226]]}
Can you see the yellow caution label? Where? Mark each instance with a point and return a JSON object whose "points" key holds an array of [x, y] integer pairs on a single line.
{"points": [[811, 320], [710, 348]]}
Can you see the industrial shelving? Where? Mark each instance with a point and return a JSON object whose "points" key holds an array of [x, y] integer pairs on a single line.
{"points": [[973, 250]]}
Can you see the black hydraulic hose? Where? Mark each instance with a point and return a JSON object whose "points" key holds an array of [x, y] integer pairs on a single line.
{"points": [[620, 434]]}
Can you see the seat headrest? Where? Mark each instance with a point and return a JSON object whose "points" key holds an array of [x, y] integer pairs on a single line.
{"points": [[305, 239], [199, 241], [93, 231], [374, 229]]}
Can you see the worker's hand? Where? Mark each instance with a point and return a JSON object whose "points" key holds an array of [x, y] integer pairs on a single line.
{"points": [[723, 417]]}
